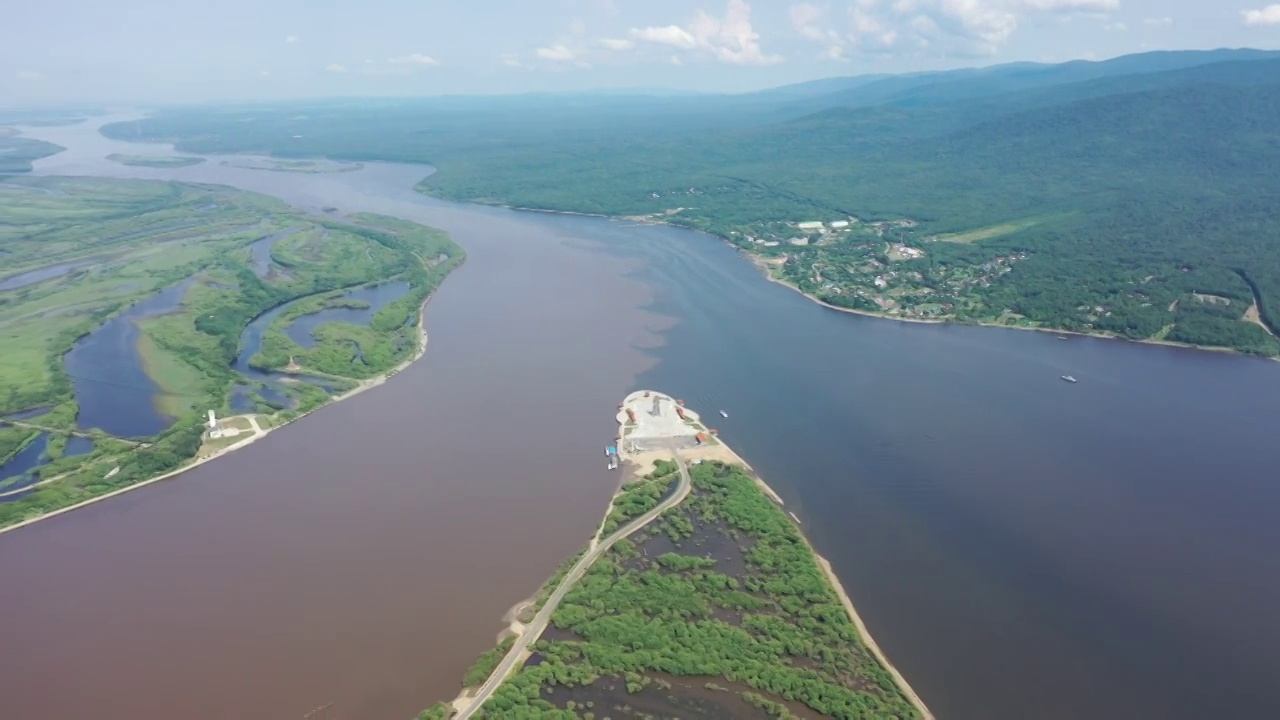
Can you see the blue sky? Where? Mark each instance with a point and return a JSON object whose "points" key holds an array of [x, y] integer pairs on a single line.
{"points": [[182, 50]]}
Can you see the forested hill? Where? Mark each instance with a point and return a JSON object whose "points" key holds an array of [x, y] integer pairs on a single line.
{"points": [[1133, 196]]}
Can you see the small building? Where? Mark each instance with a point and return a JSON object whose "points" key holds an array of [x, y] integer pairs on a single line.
{"points": [[839, 224], [810, 225]]}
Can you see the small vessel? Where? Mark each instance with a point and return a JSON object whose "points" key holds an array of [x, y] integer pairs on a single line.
{"points": [[724, 414], [1062, 337], [1068, 378]]}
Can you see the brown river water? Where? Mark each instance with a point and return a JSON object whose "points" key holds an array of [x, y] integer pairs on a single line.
{"points": [[1020, 547]]}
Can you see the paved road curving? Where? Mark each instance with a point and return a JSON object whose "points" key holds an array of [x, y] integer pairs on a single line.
{"points": [[539, 622]]}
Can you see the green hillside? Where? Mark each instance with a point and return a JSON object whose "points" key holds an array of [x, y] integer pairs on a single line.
{"points": [[1130, 197]]}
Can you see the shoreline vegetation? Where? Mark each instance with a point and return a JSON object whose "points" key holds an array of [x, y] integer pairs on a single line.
{"points": [[766, 268], [155, 161], [87, 261], [258, 434], [716, 603], [1105, 198]]}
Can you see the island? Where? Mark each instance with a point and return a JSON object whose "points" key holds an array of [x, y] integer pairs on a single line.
{"points": [[149, 326], [17, 152], [156, 161], [698, 596]]}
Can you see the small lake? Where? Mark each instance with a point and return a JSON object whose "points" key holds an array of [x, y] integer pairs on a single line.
{"points": [[31, 277], [113, 390], [32, 457], [27, 459], [29, 413], [302, 329]]}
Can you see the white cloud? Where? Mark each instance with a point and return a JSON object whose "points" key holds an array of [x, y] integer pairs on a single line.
{"points": [[618, 44], [511, 61], [29, 75], [730, 39], [1160, 21], [939, 28], [672, 35], [577, 27], [335, 68], [1073, 5], [1269, 15], [1115, 27], [264, 73], [810, 22], [291, 39], [413, 59], [556, 53]]}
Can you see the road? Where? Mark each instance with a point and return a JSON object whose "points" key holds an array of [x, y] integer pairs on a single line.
{"points": [[539, 622], [59, 431]]}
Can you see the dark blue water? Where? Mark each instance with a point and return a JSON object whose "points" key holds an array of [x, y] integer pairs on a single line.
{"points": [[251, 343], [27, 459], [260, 251], [113, 390], [243, 397], [29, 413], [77, 445], [378, 296], [31, 277]]}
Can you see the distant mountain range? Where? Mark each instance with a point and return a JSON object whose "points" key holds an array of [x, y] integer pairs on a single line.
{"points": [[1136, 194]]}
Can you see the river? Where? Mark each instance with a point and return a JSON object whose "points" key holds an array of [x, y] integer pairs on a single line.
{"points": [[1021, 547]]}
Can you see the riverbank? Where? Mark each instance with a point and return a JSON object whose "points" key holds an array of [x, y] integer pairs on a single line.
{"points": [[722, 452], [739, 536], [763, 266], [259, 434]]}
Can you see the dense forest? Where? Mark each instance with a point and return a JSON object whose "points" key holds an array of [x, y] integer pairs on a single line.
{"points": [[1130, 197], [723, 591]]}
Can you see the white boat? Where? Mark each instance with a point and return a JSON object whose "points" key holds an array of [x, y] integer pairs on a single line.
{"points": [[1068, 378], [724, 414]]}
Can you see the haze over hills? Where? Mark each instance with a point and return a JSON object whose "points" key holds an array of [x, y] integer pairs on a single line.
{"points": [[1129, 196]]}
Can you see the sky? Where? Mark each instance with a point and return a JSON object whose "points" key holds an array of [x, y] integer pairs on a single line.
{"points": [[180, 51]]}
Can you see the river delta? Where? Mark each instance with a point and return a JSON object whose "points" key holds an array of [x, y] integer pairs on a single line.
{"points": [[1020, 547]]}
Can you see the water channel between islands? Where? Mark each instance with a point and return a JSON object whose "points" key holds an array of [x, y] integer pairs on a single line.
{"points": [[1019, 546]]}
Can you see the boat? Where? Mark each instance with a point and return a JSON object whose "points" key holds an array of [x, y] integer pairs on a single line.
{"points": [[1068, 378], [724, 414]]}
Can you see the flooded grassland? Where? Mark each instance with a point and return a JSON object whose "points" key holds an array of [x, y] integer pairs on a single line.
{"points": [[127, 304]]}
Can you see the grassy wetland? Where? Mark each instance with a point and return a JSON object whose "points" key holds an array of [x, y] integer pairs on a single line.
{"points": [[156, 161], [718, 609], [123, 299]]}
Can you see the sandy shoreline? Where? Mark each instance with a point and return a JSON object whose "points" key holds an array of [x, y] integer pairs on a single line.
{"points": [[642, 462], [827, 570], [362, 387]]}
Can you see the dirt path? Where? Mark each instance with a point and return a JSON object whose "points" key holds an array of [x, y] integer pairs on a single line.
{"points": [[1252, 315], [515, 655]]}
